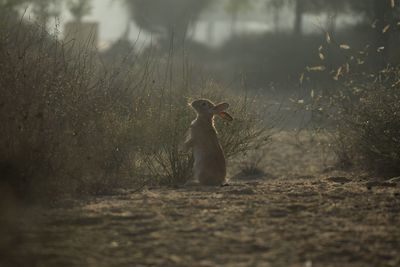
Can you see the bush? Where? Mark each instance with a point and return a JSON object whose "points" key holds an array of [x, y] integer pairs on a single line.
{"points": [[71, 126], [363, 116], [58, 132], [163, 152], [359, 109]]}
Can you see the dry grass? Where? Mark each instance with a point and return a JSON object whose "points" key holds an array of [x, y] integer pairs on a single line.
{"points": [[363, 121], [359, 109], [73, 126]]}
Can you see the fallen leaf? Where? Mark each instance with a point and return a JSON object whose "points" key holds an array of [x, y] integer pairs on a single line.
{"points": [[347, 66], [338, 73], [301, 78], [380, 49], [387, 27], [345, 46], [316, 68], [373, 25], [328, 38]]}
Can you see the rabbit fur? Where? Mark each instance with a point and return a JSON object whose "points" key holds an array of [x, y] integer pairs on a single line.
{"points": [[209, 161]]}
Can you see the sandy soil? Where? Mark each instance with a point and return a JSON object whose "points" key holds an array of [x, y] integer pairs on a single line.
{"points": [[325, 219], [303, 222]]}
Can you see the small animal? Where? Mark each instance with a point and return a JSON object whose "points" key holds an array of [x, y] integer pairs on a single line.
{"points": [[209, 161]]}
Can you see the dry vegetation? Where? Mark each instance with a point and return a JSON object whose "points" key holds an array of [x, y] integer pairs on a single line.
{"points": [[73, 126], [361, 114], [373, 122]]}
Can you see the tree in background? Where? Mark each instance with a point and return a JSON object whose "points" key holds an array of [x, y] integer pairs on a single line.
{"points": [[383, 16], [81, 35], [10, 8], [233, 8], [331, 8], [45, 9], [11, 4], [299, 7], [303, 7], [383, 12], [275, 6], [168, 19], [299, 10], [79, 8]]}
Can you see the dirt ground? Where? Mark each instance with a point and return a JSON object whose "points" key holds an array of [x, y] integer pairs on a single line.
{"points": [[300, 217]]}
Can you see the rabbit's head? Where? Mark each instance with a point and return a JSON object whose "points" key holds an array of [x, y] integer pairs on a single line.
{"points": [[205, 107]]}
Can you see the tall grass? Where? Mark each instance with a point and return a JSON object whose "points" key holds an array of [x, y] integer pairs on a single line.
{"points": [[72, 126]]}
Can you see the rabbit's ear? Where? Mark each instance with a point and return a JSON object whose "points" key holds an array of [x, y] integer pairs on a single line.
{"points": [[219, 108], [226, 116]]}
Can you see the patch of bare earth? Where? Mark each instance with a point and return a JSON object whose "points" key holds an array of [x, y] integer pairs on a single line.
{"points": [[300, 222]]}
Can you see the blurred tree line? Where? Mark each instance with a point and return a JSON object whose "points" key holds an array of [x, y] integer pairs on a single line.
{"points": [[43, 10], [170, 21], [173, 19], [162, 16]]}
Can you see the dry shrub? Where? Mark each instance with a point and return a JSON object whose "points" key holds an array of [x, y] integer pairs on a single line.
{"points": [[71, 126], [363, 117], [359, 108], [164, 154], [56, 133]]}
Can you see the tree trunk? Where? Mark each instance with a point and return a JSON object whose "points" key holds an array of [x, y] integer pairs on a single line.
{"points": [[298, 18], [277, 20], [332, 22], [210, 31], [125, 34], [176, 35], [234, 18]]}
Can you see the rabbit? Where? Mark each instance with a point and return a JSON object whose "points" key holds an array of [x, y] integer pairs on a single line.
{"points": [[209, 161]]}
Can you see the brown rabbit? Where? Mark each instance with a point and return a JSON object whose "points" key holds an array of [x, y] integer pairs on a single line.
{"points": [[209, 160]]}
